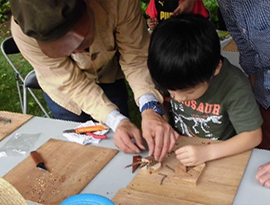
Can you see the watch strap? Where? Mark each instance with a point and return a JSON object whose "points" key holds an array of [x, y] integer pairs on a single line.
{"points": [[154, 105]]}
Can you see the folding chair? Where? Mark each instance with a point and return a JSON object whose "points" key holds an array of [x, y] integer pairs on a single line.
{"points": [[24, 85]]}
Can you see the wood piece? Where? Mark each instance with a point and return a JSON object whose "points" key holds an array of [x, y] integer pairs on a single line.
{"points": [[181, 167], [171, 168], [16, 120], [231, 46], [217, 184], [72, 166], [148, 169], [188, 176], [136, 159]]}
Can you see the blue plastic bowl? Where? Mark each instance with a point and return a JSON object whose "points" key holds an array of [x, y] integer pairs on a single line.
{"points": [[87, 199]]}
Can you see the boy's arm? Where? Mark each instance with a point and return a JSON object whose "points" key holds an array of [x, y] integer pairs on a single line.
{"points": [[235, 145], [192, 155]]}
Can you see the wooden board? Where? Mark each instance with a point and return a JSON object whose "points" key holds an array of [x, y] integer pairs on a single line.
{"points": [[217, 184], [131, 198], [72, 166], [11, 121], [231, 46]]}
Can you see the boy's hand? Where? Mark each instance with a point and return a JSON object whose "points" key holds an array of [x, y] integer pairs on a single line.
{"points": [[152, 23], [184, 7], [263, 175], [123, 135], [192, 155], [158, 134]]}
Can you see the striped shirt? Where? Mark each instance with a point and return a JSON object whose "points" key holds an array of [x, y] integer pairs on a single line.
{"points": [[248, 21]]}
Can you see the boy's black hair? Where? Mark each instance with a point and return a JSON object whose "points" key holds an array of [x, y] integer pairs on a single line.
{"points": [[184, 51]]}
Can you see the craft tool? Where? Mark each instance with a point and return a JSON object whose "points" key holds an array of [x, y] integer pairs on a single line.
{"points": [[39, 161], [103, 137], [86, 129]]}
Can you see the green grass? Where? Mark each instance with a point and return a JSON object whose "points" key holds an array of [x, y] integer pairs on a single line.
{"points": [[8, 90]]}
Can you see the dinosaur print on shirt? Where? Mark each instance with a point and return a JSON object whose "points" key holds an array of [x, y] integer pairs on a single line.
{"points": [[200, 121]]}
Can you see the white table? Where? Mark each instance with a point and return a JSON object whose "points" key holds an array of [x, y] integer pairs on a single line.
{"points": [[113, 176]]}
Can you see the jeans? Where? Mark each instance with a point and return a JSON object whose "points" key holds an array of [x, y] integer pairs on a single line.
{"points": [[116, 92]]}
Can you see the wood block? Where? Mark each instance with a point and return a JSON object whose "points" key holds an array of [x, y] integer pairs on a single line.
{"points": [[72, 166], [217, 183], [11, 121], [231, 46], [180, 168], [177, 172], [188, 175], [136, 159]]}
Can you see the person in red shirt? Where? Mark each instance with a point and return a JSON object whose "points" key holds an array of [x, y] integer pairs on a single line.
{"points": [[162, 10]]}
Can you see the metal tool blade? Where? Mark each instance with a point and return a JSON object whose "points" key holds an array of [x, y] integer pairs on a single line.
{"points": [[69, 131], [42, 167]]}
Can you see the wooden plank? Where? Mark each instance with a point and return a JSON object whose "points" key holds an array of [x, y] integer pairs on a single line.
{"points": [[231, 46], [11, 121], [217, 184], [72, 166], [133, 197]]}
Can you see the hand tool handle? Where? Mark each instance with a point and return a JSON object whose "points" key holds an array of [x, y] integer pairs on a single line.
{"points": [[89, 129], [36, 157], [103, 137]]}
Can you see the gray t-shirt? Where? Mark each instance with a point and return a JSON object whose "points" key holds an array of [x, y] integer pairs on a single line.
{"points": [[227, 108]]}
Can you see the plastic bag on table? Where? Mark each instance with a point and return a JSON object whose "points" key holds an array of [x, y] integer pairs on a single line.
{"points": [[19, 144]]}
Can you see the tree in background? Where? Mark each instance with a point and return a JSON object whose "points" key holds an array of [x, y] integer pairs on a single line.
{"points": [[4, 10]]}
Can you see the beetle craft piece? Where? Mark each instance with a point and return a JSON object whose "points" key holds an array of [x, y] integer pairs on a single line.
{"points": [[149, 164], [171, 168]]}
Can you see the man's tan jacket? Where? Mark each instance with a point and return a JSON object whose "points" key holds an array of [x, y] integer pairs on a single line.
{"points": [[72, 81]]}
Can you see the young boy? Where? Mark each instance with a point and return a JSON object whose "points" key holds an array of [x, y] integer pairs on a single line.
{"points": [[210, 98], [159, 11]]}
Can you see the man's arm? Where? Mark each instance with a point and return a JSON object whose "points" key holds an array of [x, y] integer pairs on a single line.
{"points": [[62, 79], [133, 40], [247, 53]]}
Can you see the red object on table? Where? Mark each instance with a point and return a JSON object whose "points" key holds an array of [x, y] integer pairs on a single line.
{"points": [[103, 137]]}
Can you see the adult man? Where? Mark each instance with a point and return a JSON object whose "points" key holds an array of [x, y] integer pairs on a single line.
{"points": [[75, 47], [249, 23]]}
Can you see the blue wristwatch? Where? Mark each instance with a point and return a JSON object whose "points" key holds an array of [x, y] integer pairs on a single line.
{"points": [[154, 105]]}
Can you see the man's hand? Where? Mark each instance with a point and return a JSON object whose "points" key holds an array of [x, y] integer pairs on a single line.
{"points": [[122, 137], [184, 7], [263, 175], [158, 134], [192, 155]]}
